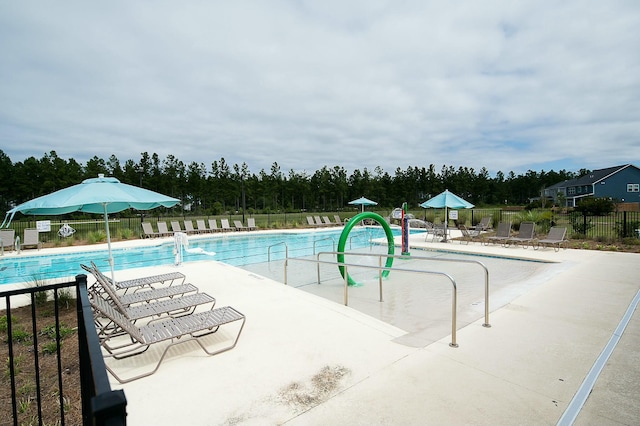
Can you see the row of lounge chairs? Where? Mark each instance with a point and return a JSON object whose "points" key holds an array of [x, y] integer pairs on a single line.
{"points": [[324, 221], [439, 231], [8, 239], [201, 227], [526, 236], [132, 315]]}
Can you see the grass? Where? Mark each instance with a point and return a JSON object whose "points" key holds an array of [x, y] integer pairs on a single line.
{"points": [[24, 370]]}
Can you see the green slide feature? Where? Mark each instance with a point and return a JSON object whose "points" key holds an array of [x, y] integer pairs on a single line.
{"points": [[345, 234]]}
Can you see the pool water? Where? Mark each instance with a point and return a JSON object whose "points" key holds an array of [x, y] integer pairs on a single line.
{"points": [[236, 249]]}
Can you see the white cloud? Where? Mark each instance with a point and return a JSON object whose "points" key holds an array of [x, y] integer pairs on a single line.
{"points": [[506, 85]]}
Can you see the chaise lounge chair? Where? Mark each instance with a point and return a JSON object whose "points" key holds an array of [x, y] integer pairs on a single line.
{"points": [[148, 232], [188, 227], [338, 220], [202, 226], [327, 221], [484, 224], [154, 307], [167, 279], [163, 230], [213, 225], [225, 225], [239, 226], [172, 330], [555, 239], [468, 235], [7, 239], [502, 234], [142, 293], [31, 239], [251, 224], [175, 226], [525, 235]]}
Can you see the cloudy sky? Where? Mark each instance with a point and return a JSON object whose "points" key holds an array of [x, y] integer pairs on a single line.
{"points": [[506, 85]]}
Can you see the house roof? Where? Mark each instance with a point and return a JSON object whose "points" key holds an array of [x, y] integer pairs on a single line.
{"points": [[591, 178]]}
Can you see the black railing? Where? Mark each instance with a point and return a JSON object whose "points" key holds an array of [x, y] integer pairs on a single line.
{"points": [[100, 404]]}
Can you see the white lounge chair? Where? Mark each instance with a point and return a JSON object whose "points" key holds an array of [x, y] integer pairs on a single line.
{"points": [[202, 226], [175, 330], [7, 239], [148, 232], [188, 227], [213, 225], [31, 239]]}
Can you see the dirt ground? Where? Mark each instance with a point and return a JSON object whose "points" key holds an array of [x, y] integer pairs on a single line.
{"points": [[26, 381]]}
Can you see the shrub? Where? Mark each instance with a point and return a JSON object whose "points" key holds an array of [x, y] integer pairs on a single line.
{"points": [[595, 206], [628, 230], [126, 234], [97, 237], [3, 323], [579, 224]]}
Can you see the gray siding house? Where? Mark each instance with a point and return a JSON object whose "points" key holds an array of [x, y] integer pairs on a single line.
{"points": [[620, 183]]}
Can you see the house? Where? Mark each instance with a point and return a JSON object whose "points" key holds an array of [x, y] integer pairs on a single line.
{"points": [[620, 183]]}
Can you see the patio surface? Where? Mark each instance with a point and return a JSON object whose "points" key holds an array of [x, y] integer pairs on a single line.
{"points": [[305, 360]]}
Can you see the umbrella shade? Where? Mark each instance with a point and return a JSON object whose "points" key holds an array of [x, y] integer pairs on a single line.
{"points": [[446, 200], [101, 195], [362, 201], [94, 196]]}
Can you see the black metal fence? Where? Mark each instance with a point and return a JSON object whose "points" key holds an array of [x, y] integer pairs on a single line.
{"points": [[613, 226], [100, 404]]}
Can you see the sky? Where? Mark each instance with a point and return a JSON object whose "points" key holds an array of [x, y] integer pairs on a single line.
{"points": [[505, 85]]}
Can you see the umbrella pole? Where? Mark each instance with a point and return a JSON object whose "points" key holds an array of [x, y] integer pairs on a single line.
{"points": [[106, 225], [446, 224]]}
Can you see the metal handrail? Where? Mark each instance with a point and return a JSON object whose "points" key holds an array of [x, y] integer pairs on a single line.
{"points": [[324, 239], [286, 250], [396, 256], [454, 297]]}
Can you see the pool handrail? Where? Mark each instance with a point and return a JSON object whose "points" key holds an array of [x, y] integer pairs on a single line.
{"points": [[286, 250], [454, 296], [324, 239], [399, 256]]}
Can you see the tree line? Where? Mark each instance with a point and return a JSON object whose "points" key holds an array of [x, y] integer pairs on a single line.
{"points": [[221, 187]]}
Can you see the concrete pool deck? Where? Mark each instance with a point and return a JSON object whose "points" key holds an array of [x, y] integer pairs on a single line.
{"points": [[304, 360]]}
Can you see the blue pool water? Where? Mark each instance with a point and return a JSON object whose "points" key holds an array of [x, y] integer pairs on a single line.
{"points": [[237, 249]]}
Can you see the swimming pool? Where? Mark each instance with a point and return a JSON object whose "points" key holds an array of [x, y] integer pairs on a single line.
{"points": [[237, 249]]}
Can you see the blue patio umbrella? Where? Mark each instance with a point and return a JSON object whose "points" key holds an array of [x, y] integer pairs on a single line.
{"points": [[101, 195], [446, 200], [362, 201]]}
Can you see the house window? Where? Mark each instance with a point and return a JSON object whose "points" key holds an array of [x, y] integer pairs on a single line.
{"points": [[571, 190], [633, 187]]}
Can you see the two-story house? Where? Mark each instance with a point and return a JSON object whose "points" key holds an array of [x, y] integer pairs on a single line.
{"points": [[620, 183]]}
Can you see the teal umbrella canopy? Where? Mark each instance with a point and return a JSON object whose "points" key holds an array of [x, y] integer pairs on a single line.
{"points": [[362, 201], [101, 195], [95, 195], [447, 199]]}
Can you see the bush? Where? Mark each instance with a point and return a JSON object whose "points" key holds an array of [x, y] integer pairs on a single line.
{"points": [[97, 237], [595, 206], [579, 224], [628, 230]]}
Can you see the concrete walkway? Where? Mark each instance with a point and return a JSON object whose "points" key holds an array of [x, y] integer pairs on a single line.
{"points": [[303, 360]]}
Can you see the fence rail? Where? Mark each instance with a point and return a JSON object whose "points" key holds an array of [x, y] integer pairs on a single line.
{"points": [[613, 226], [100, 404]]}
